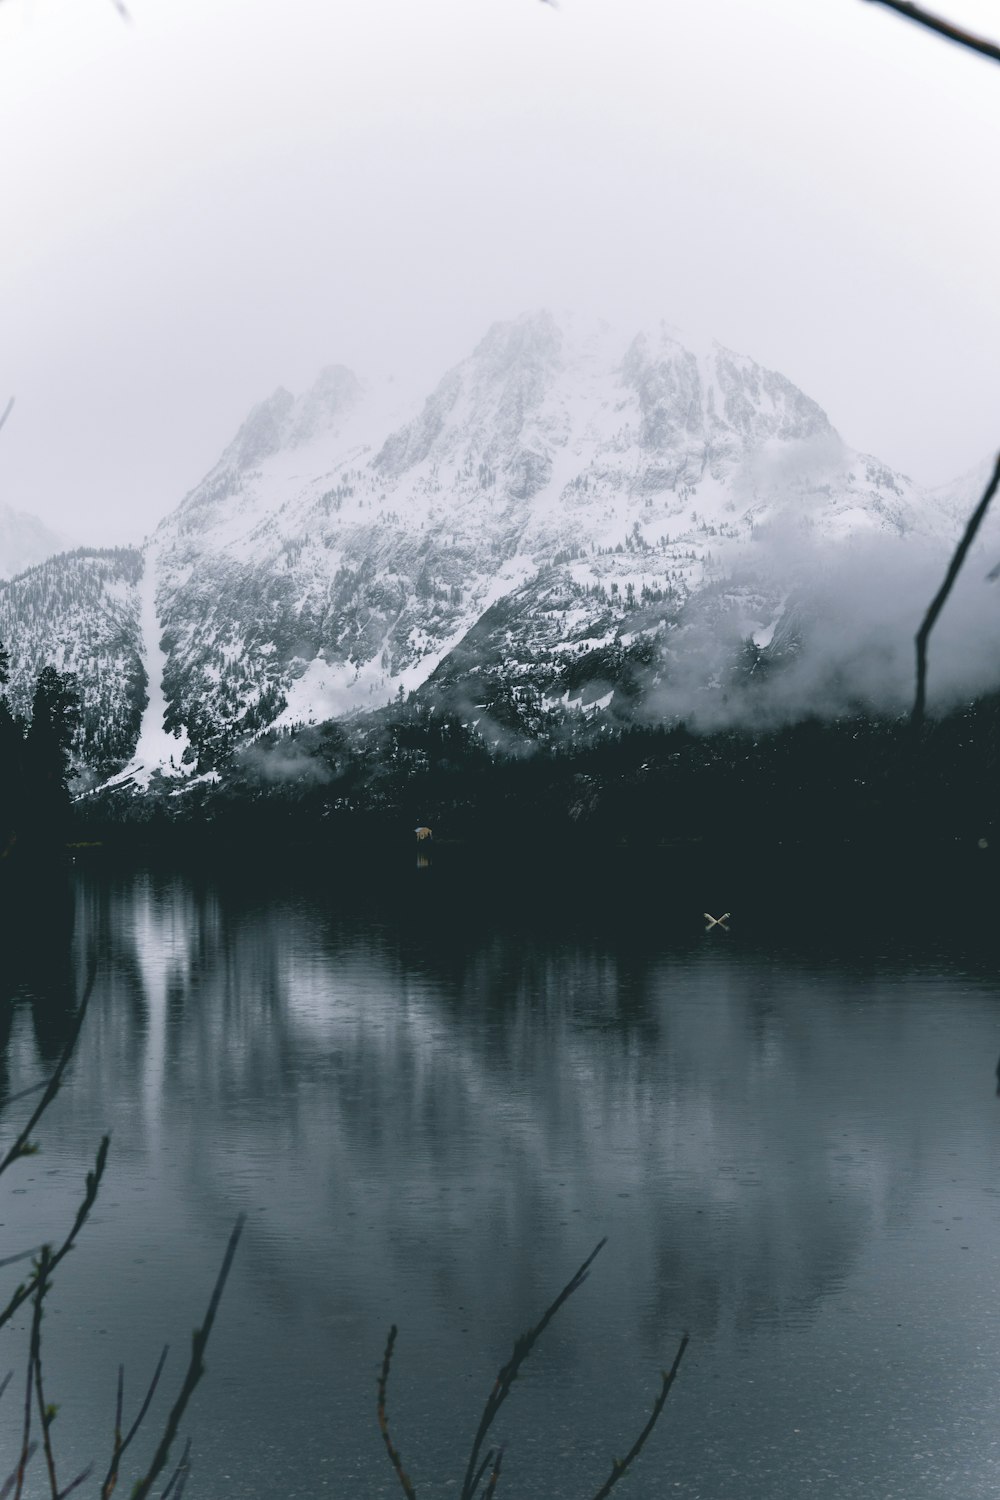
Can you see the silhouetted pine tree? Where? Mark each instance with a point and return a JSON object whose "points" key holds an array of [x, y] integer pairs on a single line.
{"points": [[11, 744], [55, 714]]}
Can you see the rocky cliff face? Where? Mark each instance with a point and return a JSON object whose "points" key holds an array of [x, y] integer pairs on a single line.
{"points": [[563, 502]]}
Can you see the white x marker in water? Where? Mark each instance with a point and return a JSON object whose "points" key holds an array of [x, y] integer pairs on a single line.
{"points": [[716, 921]]}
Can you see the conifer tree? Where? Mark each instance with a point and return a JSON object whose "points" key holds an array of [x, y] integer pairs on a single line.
{"points": [[11, 744], [55, 716]]}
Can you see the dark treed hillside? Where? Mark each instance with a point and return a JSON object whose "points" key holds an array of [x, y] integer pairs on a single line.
{"points": [[79, 613], [814, 793], [36, 769]]}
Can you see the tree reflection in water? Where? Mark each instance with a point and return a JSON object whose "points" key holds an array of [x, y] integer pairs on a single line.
{"points": [[426, 1107]]}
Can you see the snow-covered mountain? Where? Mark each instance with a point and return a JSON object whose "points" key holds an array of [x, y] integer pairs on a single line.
{"points": [[25, 541], [564, 502], [78, 612]]}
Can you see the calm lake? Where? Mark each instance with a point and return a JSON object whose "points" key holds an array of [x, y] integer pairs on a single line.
{"points": [[431, 1102]]}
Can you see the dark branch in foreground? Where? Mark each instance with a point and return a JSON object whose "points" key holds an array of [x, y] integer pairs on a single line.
{"points": [[178, 1479], [21, 1146], [943, 28], [121, 1443], [498, 1454], [383, 1420], [476, 1469], [45, 1413], [490, 1490], [93, 1182], [620, 1465], [8, 1483], [938, 602], [12, 1260], [195, 1370], [505, 1379]]}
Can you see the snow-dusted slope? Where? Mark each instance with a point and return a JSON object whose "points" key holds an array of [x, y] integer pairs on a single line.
{"points": [[326, 563], [157, 748], [563, 496], [79, 612]]}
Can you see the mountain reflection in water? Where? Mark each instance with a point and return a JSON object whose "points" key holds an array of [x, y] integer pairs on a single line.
{"points": [[431, 1111]]}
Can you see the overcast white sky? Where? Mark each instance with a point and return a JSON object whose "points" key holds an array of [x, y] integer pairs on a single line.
{"points": [[225, 195]]}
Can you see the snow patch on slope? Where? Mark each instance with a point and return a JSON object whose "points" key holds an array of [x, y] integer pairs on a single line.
{"points": [[330, 690], [157, 749]]}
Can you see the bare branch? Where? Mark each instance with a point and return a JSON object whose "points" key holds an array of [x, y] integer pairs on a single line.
{"points": [[938, 602], [12, 1260], [45, 1416], [383, 1420], [25, 1093], [93, 1182], [178, 1478], [75, 1483], [7, 411], [491, 1487], [27, 1447], [491, 1454], [620, 1466], [20, 1146], [116, 1442], [120, 1443], [11, 1479], [195, 1370], [943, 28], [505, 1379]]}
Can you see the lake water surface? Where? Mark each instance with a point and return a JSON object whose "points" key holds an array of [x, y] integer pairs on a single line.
{"points": [[432, 1107]]}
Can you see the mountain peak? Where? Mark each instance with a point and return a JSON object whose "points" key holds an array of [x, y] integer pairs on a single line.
{"points": [[263, 431], [563, 493], [334, 392], [532, 339]]}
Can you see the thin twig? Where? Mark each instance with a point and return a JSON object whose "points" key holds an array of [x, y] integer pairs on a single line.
{"points": [[620, 1465], [74, 1484], [195, 1370], [505, 1379], [44, 1417], [120, 1443], [491, 1487], [12, 1260], [179, 1477], [11, 1479], [6, 1381], [491, 1454], [116, 1444], [7, 411], [23, 1093], [93, 1182], [383, 1420], [182, 1482], [944, 28], [938, 602], [27, 1447], [111, 1477], [20, 1146]]}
